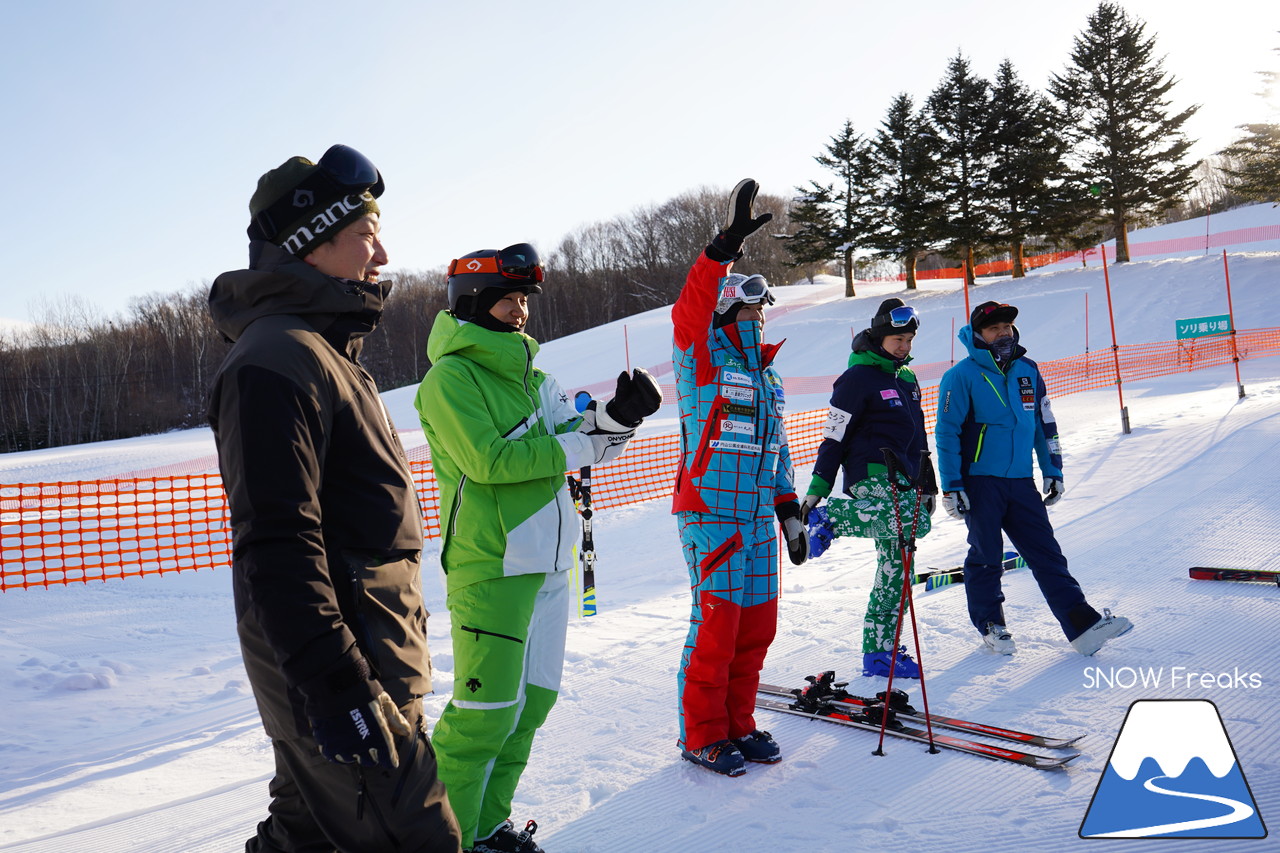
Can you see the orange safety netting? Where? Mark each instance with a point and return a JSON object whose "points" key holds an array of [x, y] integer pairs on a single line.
{"points": [[60, 533]]}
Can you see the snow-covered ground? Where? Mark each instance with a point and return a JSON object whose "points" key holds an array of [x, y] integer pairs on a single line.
{"points": [[129, 726]]}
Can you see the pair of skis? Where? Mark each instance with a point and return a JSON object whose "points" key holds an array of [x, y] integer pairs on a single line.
{"points": [[826, 699]]}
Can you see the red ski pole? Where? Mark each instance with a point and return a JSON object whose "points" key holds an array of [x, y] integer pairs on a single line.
{"points": [[907, 547]]}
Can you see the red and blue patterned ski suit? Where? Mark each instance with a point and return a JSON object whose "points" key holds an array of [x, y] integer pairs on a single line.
{"points": [[734, 468]]}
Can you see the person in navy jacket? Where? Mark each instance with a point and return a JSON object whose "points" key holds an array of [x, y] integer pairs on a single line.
{"points": [[875, 404], [993, 417]]}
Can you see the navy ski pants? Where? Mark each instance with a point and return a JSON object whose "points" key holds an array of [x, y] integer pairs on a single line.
{"points": [[1014, 507]]}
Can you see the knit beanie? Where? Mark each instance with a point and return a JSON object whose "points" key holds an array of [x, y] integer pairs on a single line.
{"points": [[297, 208], [882, 324]]}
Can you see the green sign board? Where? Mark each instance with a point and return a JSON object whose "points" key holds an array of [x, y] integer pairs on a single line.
{"points": [[1197, 327]]}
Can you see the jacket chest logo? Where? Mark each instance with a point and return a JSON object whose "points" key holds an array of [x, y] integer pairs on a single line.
{"points": [[1027, 391]]}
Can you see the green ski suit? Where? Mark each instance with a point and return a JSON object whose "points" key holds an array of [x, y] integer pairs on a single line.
{"points": [[498, 429]]}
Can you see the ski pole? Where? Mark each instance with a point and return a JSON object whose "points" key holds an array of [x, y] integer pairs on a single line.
{"points": [[907, 547], [925, 484]]}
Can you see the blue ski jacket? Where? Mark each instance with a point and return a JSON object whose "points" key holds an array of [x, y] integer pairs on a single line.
{"points": [[990, 421], [734, 459]]}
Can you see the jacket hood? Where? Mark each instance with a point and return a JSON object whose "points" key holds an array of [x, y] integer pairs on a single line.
{"points": [[504, 353], [280, 283], [981, 353]]}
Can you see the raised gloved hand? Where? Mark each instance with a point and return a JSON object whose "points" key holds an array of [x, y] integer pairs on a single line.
{"points": [[955, 503], [793, 531], [739, 223], [821, 531], [352, 718], [637, 396], [1053, 490]]}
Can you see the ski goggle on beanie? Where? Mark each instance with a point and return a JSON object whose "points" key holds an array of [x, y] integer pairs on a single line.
{"points": [[743, 290], [898, 317]]}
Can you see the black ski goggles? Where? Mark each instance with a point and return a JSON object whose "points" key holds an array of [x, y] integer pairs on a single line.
{"points": [[519, 263], [342, 170]]}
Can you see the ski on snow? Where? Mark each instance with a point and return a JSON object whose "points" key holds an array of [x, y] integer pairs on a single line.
{"points": [[868, 717], [1210, 573], [838, 696], [935, 578]]}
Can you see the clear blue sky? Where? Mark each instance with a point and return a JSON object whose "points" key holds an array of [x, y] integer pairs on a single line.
{"points": [[136, 131]]}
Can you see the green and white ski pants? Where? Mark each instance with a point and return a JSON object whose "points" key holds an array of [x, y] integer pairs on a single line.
{"points": [[508, 655], [869, 513]]}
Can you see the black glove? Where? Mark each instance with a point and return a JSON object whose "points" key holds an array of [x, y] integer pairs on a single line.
{"points": [[738, 222], [637, 397], [352, 718], [794, 531]]}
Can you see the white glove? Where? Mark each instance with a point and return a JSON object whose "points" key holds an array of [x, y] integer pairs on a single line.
{"points": [[929, 502], [807, 505], [605, 439], [1053, 490], [955, 503]]}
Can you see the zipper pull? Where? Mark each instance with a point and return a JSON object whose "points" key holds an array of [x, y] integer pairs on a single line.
{"points": [[360, 799]]}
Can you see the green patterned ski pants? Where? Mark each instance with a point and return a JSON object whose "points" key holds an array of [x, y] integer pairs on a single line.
{"points": [[869, 514]]}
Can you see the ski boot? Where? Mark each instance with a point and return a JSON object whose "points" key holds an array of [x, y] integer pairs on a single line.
{"points": [[877, 663], [505, 839], [759, 747], [722, 757]]}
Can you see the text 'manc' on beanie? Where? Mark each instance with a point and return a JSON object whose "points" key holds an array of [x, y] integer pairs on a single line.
{"points": [[316, 212]]}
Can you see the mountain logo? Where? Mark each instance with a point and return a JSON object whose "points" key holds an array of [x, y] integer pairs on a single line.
{"points": [[1173, 773]]}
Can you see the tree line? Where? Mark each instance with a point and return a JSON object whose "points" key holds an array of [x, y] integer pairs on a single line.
{"points": [[980, 167], [992, 165], [74, 377]]}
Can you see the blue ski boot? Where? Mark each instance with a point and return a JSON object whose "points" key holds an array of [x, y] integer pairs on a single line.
{"points": [[759, 747], [723, 757], [877, 663]]}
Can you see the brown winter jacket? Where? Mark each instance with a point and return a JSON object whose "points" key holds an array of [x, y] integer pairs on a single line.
{"points": [[325, 520]]}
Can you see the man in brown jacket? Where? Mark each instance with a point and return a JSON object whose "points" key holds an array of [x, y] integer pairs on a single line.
{"points": [[326, 524]]}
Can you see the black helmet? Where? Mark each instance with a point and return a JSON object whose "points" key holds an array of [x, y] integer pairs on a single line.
{"points": [[516, 267]]}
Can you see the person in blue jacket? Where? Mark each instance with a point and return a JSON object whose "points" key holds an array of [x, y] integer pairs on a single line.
{"points": [[993, 416], [735, 477], [875, 404]]}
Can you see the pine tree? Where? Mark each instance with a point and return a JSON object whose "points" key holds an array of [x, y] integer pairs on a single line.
{"points": [[1028, 155], [960, 110], [1126, 140], [1256, 155], [907, 202], [835, 218]]}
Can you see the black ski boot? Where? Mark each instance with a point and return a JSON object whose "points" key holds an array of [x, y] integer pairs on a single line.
{"points": [[505, 839]]}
